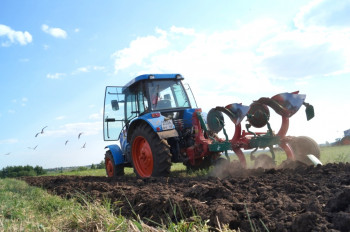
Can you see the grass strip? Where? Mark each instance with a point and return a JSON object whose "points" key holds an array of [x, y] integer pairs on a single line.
{"points": [[27, 208]]}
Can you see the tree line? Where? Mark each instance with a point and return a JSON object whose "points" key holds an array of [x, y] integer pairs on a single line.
{"points": [[18, 171]]}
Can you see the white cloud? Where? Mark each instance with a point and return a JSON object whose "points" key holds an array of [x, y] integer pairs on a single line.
{"points": [[11, 111], [60, 117], [54, 31], [98, 68], [55, 75], [87, 69], [23, 38], [251, 56], [76, 30], [139, 49], [95, 116], [24, 101], [222, 55], [73, 129], [320, 45], [83, 69], [182, 30], [8, 141], [323, 13]]}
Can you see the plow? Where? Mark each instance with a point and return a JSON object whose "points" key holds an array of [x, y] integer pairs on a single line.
{"points": [[157, 122], [257, 115]]}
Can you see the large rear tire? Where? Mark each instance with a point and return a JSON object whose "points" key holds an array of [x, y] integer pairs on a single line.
{"points": [[113, 170], [150, 156], [303, 146]]}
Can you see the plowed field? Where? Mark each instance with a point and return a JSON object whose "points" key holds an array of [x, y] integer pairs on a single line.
{"points": [[294, 199]]}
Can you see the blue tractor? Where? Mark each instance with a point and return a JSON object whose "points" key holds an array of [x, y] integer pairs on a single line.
{"points": [[151, 116], [157, 122]]}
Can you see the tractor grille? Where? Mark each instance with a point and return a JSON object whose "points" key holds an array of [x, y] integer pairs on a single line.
{"points": [[179, 124]]}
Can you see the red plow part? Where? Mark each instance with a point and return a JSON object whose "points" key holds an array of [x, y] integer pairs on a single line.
{"points": [[207, 143]]}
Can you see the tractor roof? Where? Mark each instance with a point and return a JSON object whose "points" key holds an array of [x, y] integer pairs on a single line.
{"points": [[153, 77]]}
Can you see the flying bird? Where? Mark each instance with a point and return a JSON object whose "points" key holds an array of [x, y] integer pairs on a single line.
{"points": [[80, 135], [42, 130], [66, 142], [7, 153], [83, 145], [33, 147]]}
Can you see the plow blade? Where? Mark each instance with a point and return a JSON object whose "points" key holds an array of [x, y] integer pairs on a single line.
{"points": [[314, 159]]}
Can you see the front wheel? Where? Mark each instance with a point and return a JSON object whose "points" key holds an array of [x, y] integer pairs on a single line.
{"points": [[150, 155], [303, 146], [113, 170]]}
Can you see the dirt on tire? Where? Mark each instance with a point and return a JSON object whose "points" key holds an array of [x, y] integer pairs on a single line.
{"points": [[298, 198]]}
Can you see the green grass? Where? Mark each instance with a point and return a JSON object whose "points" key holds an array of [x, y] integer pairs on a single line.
{"points": [[88, 172], [26, 208], [337, 154]]}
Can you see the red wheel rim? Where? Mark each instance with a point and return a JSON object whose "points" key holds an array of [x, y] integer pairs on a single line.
{"points": [[142, 157], [109, 167]]}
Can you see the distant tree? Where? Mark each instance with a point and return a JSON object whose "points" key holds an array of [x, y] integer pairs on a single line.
{"points": [[93, 166], [82, 168], [18, 171], [101, 165], [39, 170]]}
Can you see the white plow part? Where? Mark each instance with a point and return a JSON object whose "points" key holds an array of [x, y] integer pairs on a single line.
{"points": [[314, 159]]}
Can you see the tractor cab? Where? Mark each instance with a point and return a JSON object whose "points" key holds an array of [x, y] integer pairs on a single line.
{"points": [[145, 95]]}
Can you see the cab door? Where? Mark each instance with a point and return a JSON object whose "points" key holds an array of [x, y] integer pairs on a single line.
{"points": [[113, 114]]}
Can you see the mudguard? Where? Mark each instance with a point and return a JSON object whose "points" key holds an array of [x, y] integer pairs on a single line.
{"points": [[117, 154], [155, 124]]}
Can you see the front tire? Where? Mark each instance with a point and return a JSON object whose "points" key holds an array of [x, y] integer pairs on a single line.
{"points": [[150, 156], [303, 146], [113, 170]]}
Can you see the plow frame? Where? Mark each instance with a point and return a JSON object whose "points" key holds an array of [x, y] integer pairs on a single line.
{"points": [[208, 144]]}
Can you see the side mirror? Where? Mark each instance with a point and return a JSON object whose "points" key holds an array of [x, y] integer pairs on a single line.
{"points": [[115, 105]]}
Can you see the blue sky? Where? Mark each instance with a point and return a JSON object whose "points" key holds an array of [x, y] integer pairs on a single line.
{"points": [[56, 57]]}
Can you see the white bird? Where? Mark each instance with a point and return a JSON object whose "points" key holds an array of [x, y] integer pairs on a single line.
{"points": [[80, 135], [66, 142], [83, 145]]}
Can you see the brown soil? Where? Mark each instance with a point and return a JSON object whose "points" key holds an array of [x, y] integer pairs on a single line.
{"points": [[296, 199]]}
